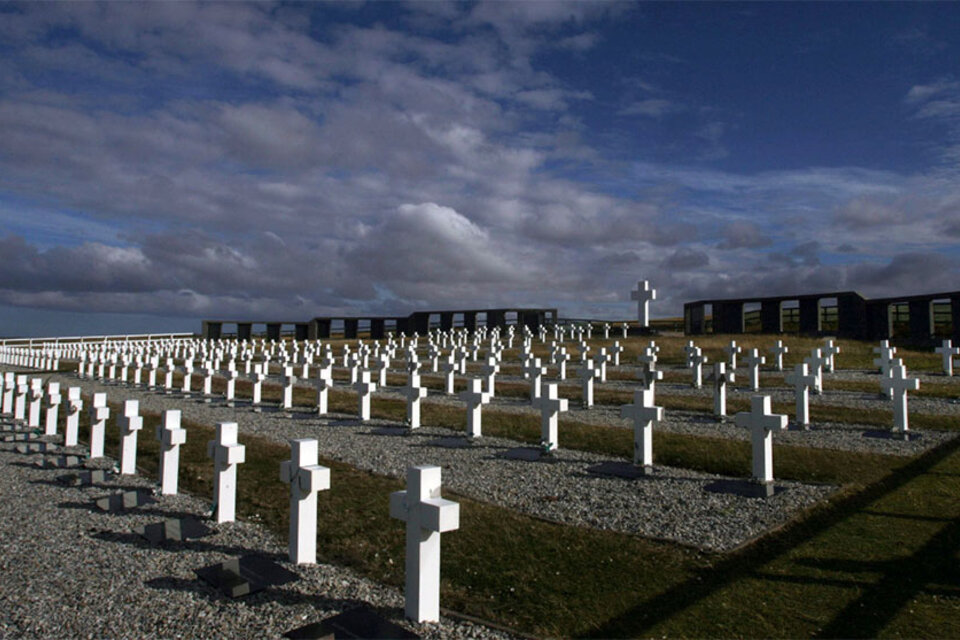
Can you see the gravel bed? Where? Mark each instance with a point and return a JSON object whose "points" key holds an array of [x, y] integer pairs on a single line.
{"points": [[71, 570], [671, 505]]}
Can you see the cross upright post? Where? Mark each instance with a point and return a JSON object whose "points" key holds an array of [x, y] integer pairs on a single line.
{"points": [[947, 351], [98, 418], [753, 360], [53, 408], [535, 371], [74, 407], [802, 381], [897, 385], [130, 423], [364, 389], [720, 380], [587, 374], [779, 350]]}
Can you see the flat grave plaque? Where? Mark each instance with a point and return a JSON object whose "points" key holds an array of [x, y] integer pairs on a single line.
{"points": [[620, 470], [18, 437], [174, 530], [744, 488], [389, 431], [238, 577], [123, 501], [452, 442], [85, 478], [36, 447], [60, 462], [362, 622], [528, 454]]}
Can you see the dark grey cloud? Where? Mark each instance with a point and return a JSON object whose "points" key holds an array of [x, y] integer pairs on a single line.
{"points": [[686, 258], [743, 235]]}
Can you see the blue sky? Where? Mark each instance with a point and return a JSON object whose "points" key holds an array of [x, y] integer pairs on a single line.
{"points": [[166, 162]]}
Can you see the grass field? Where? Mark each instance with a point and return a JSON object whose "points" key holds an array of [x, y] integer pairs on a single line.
{"points": [[879, 559]]}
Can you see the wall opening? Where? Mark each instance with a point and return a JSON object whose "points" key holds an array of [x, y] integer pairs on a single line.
{"points": [[829, 318], [751, 317], [790, 316]]}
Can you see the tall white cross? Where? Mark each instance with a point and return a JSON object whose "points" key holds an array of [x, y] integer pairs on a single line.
{"points": [[720, 380], [306, 478], [643, 295], [53, 408], [36, 399], [550, 406], [535, 371], [830, 350], [560, 358], [427, 516], [259, 375], [587, 374], [74, 407], [897, 385], [98, 418], [697, 360], [779, 350], [802, 380], [762, 423], [475, 398], [816, 361], [227, 453], [732, 350], [289, 379], [615, 352], [947, 351], [753, 360], [130, 423], [171, 436], [413, 392], [644, 414], [323, 383], [688, 351], [364, 389]]}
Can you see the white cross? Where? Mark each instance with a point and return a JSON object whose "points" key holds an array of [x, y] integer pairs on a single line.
{"points": [[36, 398], [227, 453], [615, 351], [606, 330], [208, 371], [231, 392], [74, 407], [689, 350], [53, 408], [947, 351], [535, 372], [762, 423], [130, 423], [550, 406], [323, 384], [587, 373], [306, 478], [697, 360], [625, 328], [490, 370], [427, 516], [171, 436], [98, 418], [720, 380], [20, 402], [602, 358], [779, 350], [364, 389], [289, 379], [732, 350], [475, 398], [753, 361], [829, 351], [802, 380], [643, 295], [816, 361], [413, 392], [644, 414], [897, 385]]}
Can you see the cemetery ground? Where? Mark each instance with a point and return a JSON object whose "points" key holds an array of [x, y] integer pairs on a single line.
{"points": [[877, 557]]}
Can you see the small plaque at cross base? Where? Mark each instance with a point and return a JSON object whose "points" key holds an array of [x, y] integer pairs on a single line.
{"points": [[174, 530], [239, 577], [745, 488]]}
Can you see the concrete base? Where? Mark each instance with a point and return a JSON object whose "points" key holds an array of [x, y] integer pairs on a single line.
{"points": [[174, 530]]}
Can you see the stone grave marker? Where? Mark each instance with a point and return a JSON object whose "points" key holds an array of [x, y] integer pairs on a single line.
{"points": [[53, 409], [762, 422], [720, 380], [644, 414], [779, 350], [550, 406], [802, 381], [947, 351], [897, 385], [98, 419], [249, 574], [124, 500], [173, 530], [130, 424], [74, 407], [364, 389], [643, 295], [475, 398], [753, 361]]}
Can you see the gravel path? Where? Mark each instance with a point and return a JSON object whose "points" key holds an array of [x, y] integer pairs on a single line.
{"points": [[671, 505], [71, 570]]}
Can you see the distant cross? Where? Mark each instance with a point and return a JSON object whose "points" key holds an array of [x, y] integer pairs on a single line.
{"points": [[802, 380], [720, 380], [898, 384], [697, 360], [732, 350], [816, 361], [779, 350], [475, 398], [413, 392], [947, 351], [830, 350], [535, 371], [587, 373], [364, 389], [753, 361]]}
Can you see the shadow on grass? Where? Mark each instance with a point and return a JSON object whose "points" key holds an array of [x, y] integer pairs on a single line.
{"points": [[866, 616]]}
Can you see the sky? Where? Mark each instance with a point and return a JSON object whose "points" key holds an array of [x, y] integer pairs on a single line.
{"points": [[165, 162]]}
